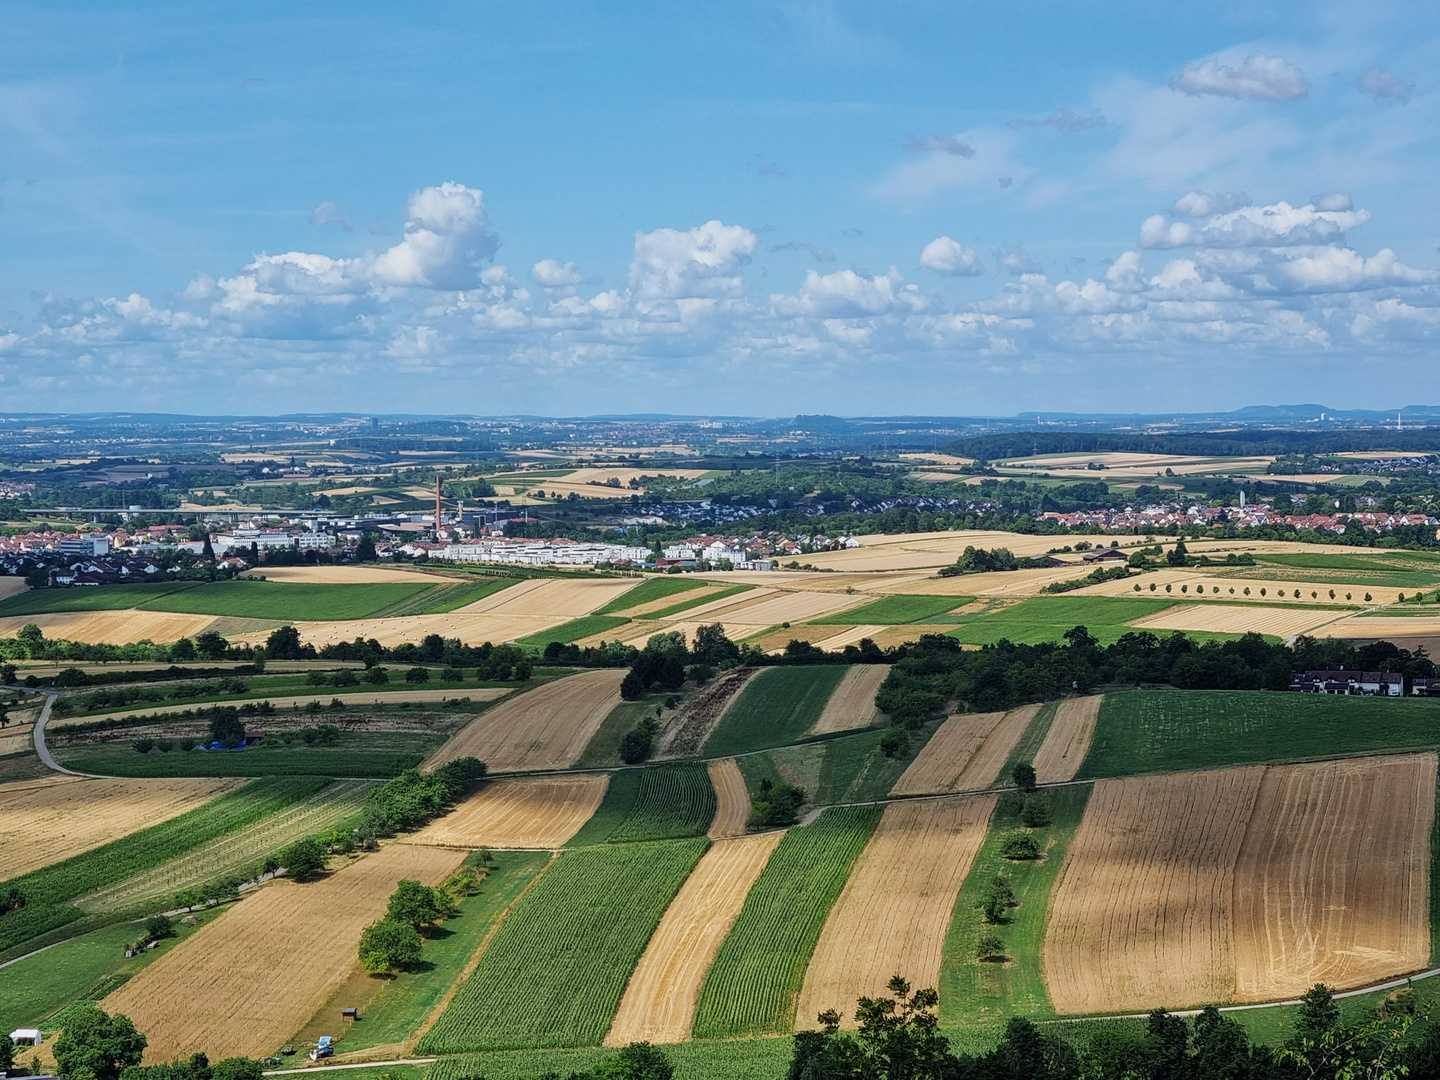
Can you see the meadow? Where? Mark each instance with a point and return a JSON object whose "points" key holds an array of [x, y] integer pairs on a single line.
{"points": [[1147, 731], [778, 706], [1046, 618], [649, 591], [894, 610], [574, 630], [365, 754], [288, 601], [847, 768]]}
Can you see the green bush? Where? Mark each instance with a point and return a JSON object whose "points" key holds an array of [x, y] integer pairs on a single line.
{"points": [[1019, 845]]}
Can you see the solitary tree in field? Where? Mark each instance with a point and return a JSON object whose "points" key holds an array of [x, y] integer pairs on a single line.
{"points": [[413, 904], [388, 945], [1024, 777]]}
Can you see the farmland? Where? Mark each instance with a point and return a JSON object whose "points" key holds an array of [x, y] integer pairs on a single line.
{"points": [[776, 707], [372, 754], [240, 599], [967, 753], [852, 705], [849, 768], [1045, 618], [574, 630], [752, 985], [1068, 739], [647, 593], [1161, 731], [525, 812], [662, 802], [894, 609], [555, 972]]}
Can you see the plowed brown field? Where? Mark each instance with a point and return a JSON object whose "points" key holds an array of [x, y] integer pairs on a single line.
{"points": [[1333, 880], [1068, 740], [967, 753], [47, 823], [852, 705], [660, 999], [546, 728], [895, 909], [1142, 916], [533, 812], [732, 798], [252, 978]]}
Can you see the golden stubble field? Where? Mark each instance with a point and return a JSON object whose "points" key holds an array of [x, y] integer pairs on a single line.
{"points": [[852, 705], [1068, 740], [1243, 884], [966, 753], [525, 812], [248, 981], [124, 627]]}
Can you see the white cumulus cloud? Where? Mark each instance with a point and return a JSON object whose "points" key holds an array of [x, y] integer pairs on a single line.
{"points": [[552, 274], [947, 256], [699, 263], [1269, 78]]}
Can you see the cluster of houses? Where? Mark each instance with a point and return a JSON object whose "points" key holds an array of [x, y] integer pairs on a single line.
{"points": [[1361, 684], [736, 552], [1155, 518]]}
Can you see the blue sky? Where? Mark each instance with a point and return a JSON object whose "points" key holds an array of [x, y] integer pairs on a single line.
{"points": [[758, 208]]}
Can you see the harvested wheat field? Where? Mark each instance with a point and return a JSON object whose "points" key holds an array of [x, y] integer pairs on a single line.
{"points": [[789, 607], [1239, 619], [967, 753], [689, 596], [352, 575], [1333, 880], [732, 798], [532, 812], [11, 586], [1143, 913], [852, 636], [321, 694], [240, 998], [1016, 583], [13, 789], [48, 823], [913, 551], [896, 907], [1068, 740], [559, 598], [630, 635], [124, 627], [1388, 627], [852, 705], [664, 989], [544, 728], [471, 629]]}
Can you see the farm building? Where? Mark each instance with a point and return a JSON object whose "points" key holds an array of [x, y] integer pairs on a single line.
{"points": [[1354, 683]]}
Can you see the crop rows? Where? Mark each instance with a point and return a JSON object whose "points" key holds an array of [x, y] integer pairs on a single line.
{"points": [[141, 851], [554, 973], [323, 810], [777, 707], [673, 801], [755, 980], [287, 761]]}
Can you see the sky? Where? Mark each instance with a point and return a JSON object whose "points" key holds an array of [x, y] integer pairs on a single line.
{"points": [[718, 208]]}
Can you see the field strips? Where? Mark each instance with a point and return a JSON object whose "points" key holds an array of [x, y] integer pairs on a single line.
{"points": [[687, 730], [471, 629], [238, 998], [545, 728], [673, 801], [1068, 740], [664, 990], [752, 986], [851, 636], [653, 594], [111, 627], [852, 705], [49, 824], [558, 597], [525, 812], [967, 753], [320, 812], [556, 969], [668, 609], [732, 798], [351, 575], [351, 700], [1142, 915], [1238, 619], [895, 910], [13, 789], [788, 607], [1333, 883], [776, 707], [724, 608]]}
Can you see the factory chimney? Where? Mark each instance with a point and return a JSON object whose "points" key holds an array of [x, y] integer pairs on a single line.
{"points": [[437, 508]]}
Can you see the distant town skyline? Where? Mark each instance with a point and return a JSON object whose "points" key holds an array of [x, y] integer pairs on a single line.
{"points": [[759, 209]]}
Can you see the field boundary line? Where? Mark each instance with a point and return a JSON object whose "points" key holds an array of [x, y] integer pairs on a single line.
{"points": [[351, 1065], [471, 964]]}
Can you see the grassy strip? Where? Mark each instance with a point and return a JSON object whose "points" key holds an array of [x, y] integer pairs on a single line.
{"points": [[695, 601], [291, 601], [284, 761], [1030, 743], [554, 973], [975, 992], [621, 795], [573, 630], [1046, 618], [752, 985], [674, 801], [100, 598], [398, 1010], [894, 611], [604, 746], [1146, 731], [776, 707], [848, 768], [742, 1059], [648, 591]]}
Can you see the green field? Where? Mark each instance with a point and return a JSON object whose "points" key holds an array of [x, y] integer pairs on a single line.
{"points": [[673, 801], [555, 971], [776, 707], [397, 1011], [574, 630], [377, 754], [732, 1059], [648, 591], [1046, 618], [1145, 731], [49, 890], [972, 992], [37, 987], [1030, 743], [287, 601], [850, 768], [894, 610], [752, 985], [446, 597], [696, 601], [604, 746]]}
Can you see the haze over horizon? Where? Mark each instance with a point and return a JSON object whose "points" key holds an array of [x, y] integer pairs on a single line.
{"points": [[759, 209]]}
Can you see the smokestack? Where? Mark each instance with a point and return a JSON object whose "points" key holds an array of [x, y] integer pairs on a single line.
{"points": [[437, 508]]}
